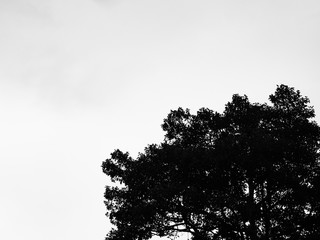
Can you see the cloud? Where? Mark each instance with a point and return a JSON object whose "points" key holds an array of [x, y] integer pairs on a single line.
{"points": [[109, 3], [87, 54], [48, 50]]}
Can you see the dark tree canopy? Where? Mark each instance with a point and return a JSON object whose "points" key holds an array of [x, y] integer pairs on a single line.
{"points": [[251, 172]]}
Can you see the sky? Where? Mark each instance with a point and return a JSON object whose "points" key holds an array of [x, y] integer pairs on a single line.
{"points": [[80, 78]]}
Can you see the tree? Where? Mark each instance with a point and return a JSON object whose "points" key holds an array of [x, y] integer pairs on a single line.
{"points": [[251, 172]]}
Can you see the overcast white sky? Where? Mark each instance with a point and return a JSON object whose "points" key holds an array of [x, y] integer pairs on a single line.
{"points": [[80, 78]]}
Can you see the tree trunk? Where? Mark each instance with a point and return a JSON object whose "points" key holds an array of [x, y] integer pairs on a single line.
{"points": [[252, 212], [267, 211]]}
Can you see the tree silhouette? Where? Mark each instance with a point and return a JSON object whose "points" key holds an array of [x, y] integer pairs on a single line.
{"points": [[251, 172]]}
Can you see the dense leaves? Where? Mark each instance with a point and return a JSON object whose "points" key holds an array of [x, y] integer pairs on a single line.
{"points": [[251, 172]]}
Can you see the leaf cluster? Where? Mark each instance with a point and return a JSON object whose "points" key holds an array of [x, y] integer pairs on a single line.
{"points": [[251, 172]]}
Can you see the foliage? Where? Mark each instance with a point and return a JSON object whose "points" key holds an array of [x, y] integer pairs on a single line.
{"points": [[251, 172]]}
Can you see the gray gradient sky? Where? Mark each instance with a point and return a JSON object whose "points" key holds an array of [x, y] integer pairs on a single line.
{"points": [[79, 78]]}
